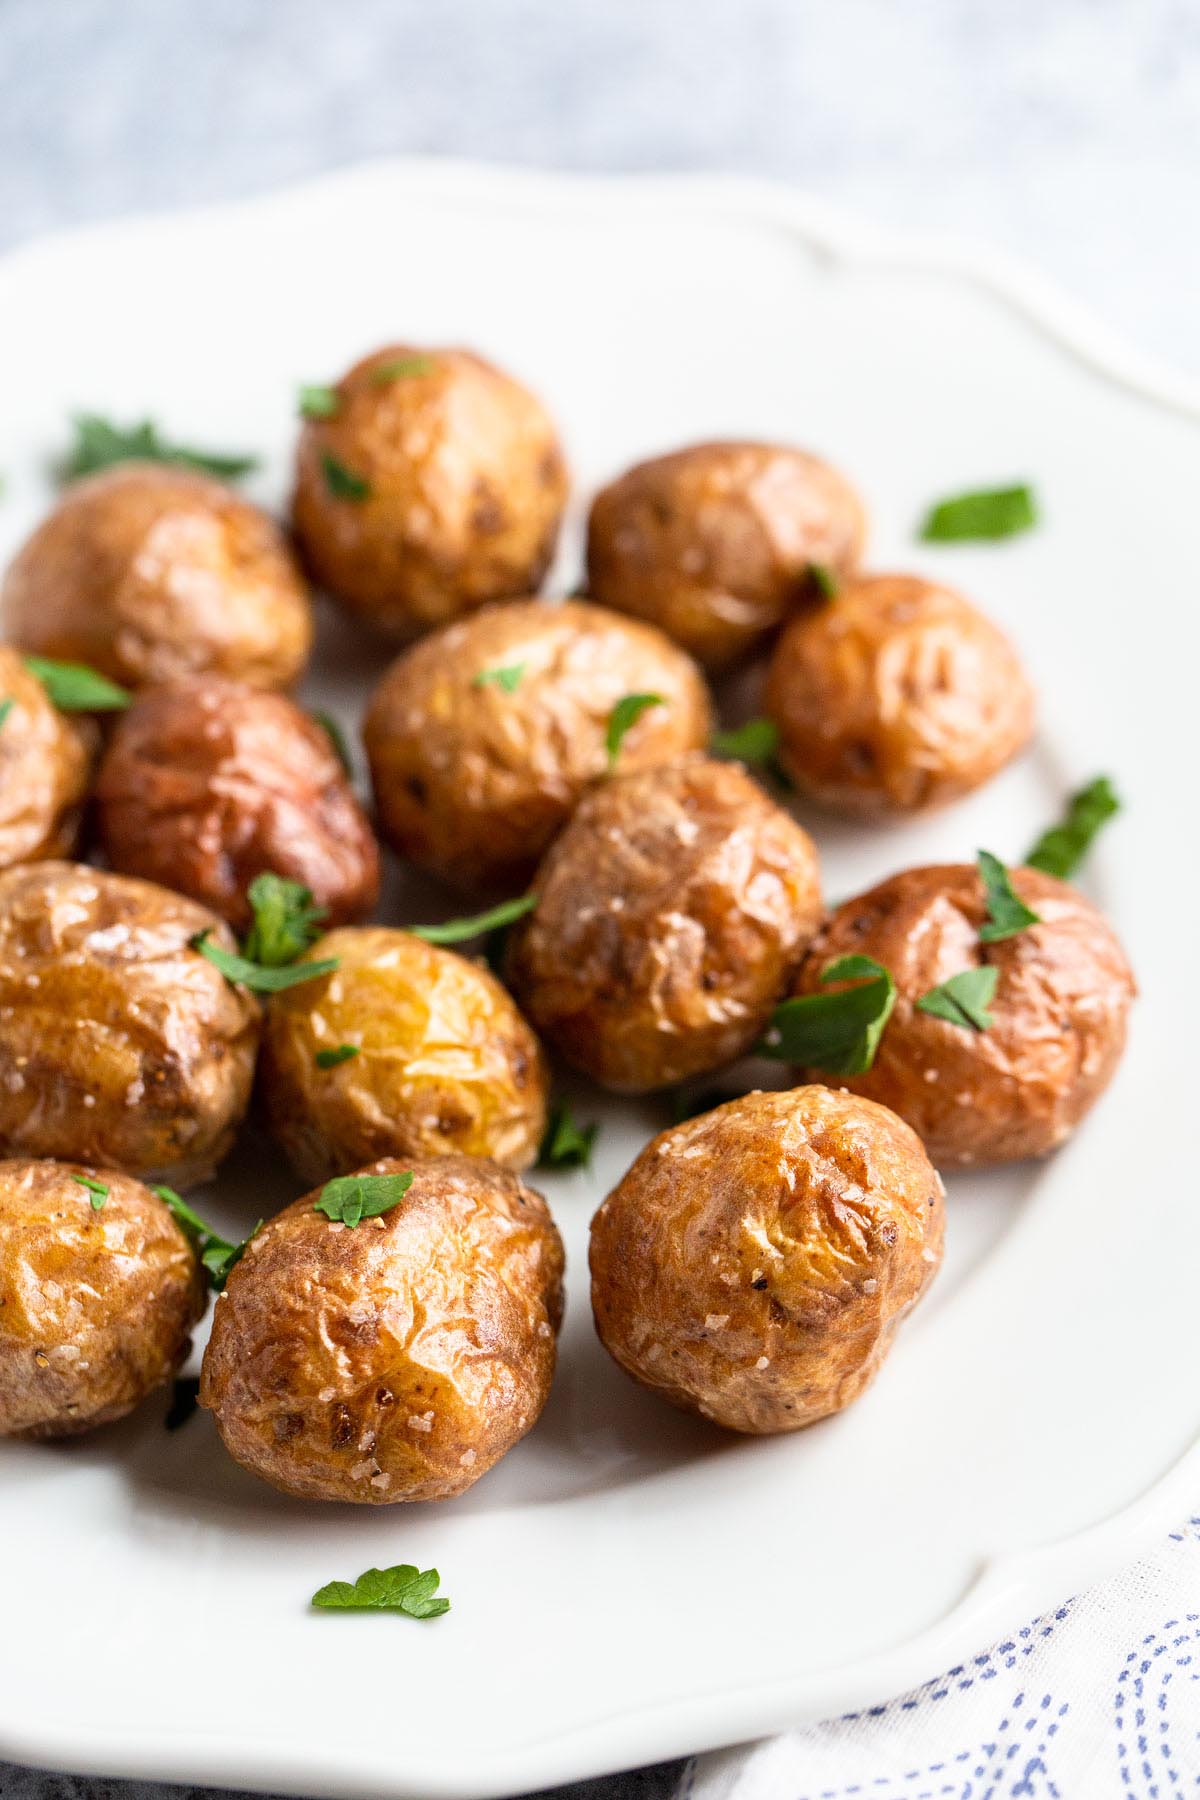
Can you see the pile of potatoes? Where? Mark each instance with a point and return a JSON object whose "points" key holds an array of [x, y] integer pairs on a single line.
{"points": [[392, 1333]]}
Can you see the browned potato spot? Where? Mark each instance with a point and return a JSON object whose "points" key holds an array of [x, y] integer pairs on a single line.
{"points": [[1058, 1017], [147, 572], [671, 912], [474, 775], [437, 484], [398, 1360], [896, 695], [207, 783], [45, 760], [444, 1061], [716, 543], [754, 1263], [95, 1305], [119, 1043]]}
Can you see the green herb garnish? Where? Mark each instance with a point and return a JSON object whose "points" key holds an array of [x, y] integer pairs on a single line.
{"points": [[96, 1189], [351, 1198], [566, 1145], [839, 1032], [1060, 850], [824, 580], [337, 738], [73, 687], [456, 931], [1007, 912], [403, 1589], [285, 920], [316, 402], [399, 367], [6, 707], [507, 679], [260, 980], [342, 482], [340, 1053], [99, 444], [963, 999], [754, 742], [625, 713], [989, 513], [185, 1396], [217, 1254]]}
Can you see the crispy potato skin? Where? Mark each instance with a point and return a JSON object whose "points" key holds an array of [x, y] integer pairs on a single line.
{"points": [[95, 1307], [147, 572], [467, 485], [207, 783], [1021, 1087], [473, 782], [446, 1063], [396, 1361], [45, 764], [896, 696], [120, 1045], [671, 913], [754, 1263], [715, 544]]}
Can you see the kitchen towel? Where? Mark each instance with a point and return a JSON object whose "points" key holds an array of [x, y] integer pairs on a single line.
{"points": [[1099, 1700]]}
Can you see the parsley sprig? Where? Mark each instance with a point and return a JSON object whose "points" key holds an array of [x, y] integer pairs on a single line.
{"points": [[97, 1189], [349, 1199], [963, 999], [1007, 912], [285, 923], [99, 443], [985, 513], [754, 742], [403, 1589], [341, 481], [565, 1144], [1060, 850], [627, 711], [73, 687], [837, 1032], [508, 679], [457, 931], [218, 1255]]}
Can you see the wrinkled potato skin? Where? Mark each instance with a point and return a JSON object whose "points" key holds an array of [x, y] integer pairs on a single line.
{"points": [[45, 764], [207, 783], [671, 913], [148, 572], [120, 1045], [473, 782], [467, 489], [95, 1307], [754, 1263], [446, 1063], [1059, 1014], [896, 696], [715, 544], [396, 1361]]}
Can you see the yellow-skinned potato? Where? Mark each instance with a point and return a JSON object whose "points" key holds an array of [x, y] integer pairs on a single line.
{"points": [[443, 1060], [45, 760]]}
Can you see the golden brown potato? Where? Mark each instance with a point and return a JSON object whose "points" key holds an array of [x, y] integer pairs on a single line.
{"points": [[1058, 1016], [896, 695], [671, 912], [147, 571], [400, 1359], [435, 485], [45, 761], [474, 777], [754, 1263], [120, 1044], [95, 1305], [717, 543], [443, 1060], [207, 783]]}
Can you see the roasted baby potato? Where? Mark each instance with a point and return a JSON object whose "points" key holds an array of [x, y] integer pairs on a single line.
{"points": [[717, 544], [400, 1359], [670, 914], [45, 761], [99, 1289], [120, 1044], [482, 737], [208, 783], [148, 571], [754, 1263], [895, 696], [442, 1060], [434, 484], [1020, 1087]]}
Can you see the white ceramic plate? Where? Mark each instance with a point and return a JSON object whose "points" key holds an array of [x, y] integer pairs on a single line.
{"points": [[629, 1584]]}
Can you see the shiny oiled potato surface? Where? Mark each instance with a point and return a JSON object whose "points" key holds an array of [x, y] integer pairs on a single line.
{"points": [[148, 571], [400, 1359], [443, 1060], [754, 1263], [208, 783], [1059, 1013], [96, 1302], [45, 763], [483, 736]]}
